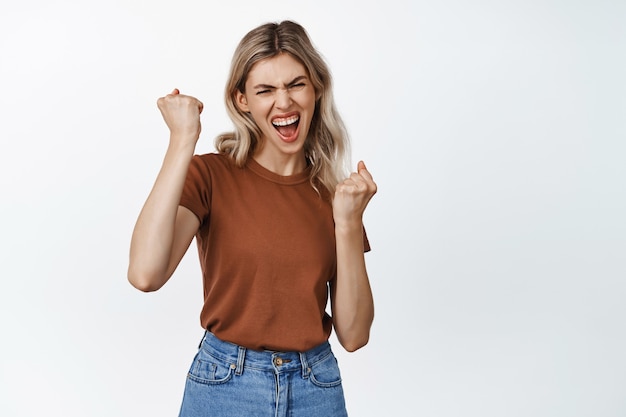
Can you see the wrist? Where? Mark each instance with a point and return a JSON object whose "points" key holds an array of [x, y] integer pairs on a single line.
{"points": [[181, 143], [349, 226]]}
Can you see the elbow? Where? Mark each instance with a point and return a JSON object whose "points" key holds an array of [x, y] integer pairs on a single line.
{"points": [[355, 335], [143, 282], [355, 343], [143, 286]]}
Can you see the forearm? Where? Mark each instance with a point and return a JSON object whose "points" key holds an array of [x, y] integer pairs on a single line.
{"points": [[353, 305], [153, 236]]}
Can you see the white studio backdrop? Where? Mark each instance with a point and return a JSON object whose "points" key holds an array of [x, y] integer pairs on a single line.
{"points": [[495, 130]]}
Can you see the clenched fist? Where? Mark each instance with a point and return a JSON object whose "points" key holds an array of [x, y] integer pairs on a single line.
{"points": [[182, 116], [351, 197]]}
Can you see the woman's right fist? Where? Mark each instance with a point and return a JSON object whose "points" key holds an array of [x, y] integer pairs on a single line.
{"points": [[182, 115]]}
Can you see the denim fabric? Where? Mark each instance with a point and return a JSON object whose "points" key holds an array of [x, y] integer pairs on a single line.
{"points": [[228, 380]]}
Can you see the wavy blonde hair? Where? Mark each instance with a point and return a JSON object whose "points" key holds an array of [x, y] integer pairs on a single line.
{"points": [[327, 145]]}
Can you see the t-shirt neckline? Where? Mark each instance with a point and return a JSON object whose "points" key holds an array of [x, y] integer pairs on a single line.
{"points": [[263, 172]]}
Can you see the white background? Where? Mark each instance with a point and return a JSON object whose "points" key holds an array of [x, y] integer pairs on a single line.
{"points": [[495, 130]]}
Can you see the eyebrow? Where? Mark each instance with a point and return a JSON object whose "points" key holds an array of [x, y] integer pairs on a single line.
{"points": [[294, 81]]}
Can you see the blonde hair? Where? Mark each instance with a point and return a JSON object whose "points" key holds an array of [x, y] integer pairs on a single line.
{"points": [[327, 146]]}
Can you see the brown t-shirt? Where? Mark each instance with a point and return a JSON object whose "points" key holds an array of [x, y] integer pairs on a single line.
{"points": [[267, 251]]}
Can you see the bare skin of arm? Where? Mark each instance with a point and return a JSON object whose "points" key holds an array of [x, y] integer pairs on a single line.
{"points": [[351, 296], [164, 229]]}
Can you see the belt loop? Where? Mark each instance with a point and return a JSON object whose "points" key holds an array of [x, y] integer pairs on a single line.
{"points": [[305, 365], [240, 358]]}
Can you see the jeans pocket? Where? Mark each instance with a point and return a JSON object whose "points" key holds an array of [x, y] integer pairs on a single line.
{"points": [[325, 373], [206, 369]]}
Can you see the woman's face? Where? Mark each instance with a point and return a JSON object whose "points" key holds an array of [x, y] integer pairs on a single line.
{"points": [[281, 99]]}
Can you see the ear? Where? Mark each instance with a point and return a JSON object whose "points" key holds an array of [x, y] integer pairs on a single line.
{"points": [[242, 101]]}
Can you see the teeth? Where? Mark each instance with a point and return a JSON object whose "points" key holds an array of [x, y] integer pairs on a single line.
{"points": [[286, 122]]}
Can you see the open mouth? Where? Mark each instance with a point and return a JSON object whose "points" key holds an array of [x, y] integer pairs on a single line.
{"points": [[287, 127]]}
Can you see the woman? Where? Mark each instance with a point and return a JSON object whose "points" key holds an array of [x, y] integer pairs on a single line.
{"points": [[278, 228]]}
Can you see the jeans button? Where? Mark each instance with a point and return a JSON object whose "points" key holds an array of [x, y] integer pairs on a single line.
{"points": [[278, 361]]}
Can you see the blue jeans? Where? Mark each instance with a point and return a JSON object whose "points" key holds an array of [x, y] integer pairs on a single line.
{"points": [[229, 380]]}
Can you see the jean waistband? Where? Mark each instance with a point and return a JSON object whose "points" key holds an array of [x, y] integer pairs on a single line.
{"points": [[240, 357]]}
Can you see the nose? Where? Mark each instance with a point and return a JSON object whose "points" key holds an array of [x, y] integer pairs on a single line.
{"points": [[283, 99]]}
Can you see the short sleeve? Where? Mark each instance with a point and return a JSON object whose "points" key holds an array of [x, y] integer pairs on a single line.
{"points": [[196, 194]]}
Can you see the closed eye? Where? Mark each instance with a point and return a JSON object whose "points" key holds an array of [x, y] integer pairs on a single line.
{"points": [[297, 85], [261, 92]]}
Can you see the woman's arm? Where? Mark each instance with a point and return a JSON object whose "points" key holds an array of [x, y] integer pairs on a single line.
{"points": [[164, 230], [351, 296]]}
